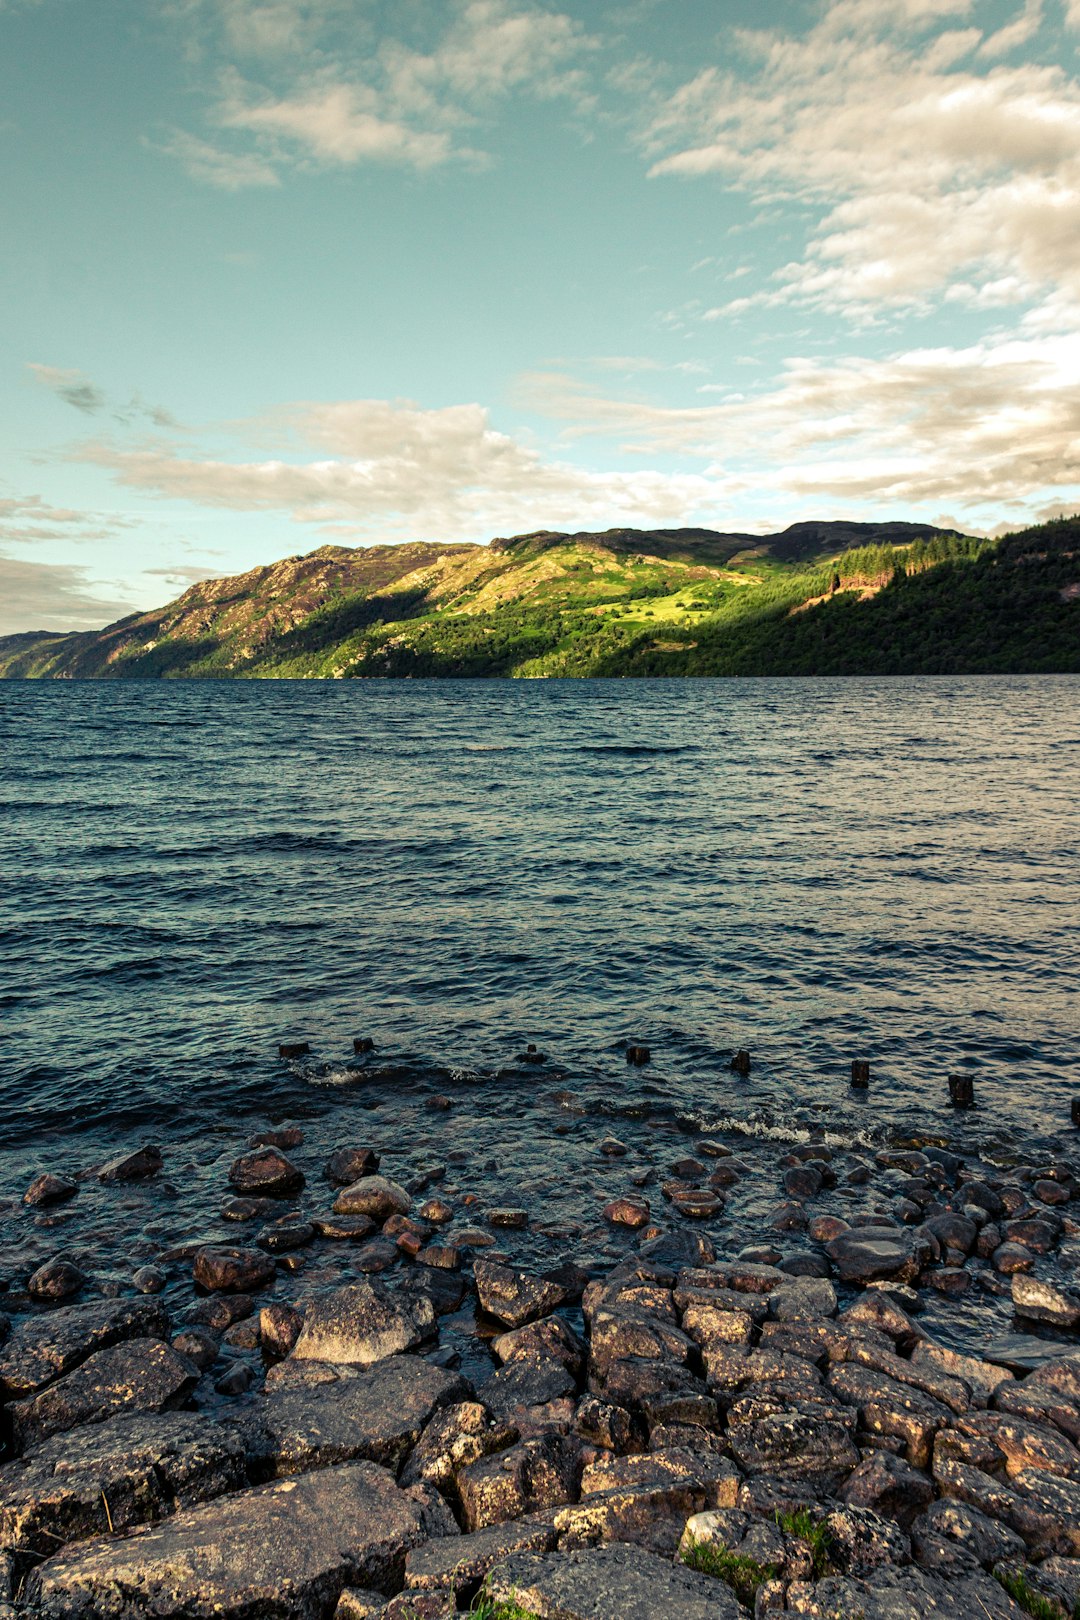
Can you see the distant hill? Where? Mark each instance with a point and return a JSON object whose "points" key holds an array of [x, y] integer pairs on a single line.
{"points": [[819, 598]]}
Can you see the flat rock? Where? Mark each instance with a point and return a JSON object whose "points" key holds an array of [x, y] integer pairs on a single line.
{"points": [[45, 1347], [278, 1552], [145, 1161], [48, 1189], [459, 1562], [378, 1416], [806, 1299], [232, 1271], [609, 1583], [113, 1475], [865, 1254], [902, 1594], [363, 1323], [1041, 1301], [145, 1374]]}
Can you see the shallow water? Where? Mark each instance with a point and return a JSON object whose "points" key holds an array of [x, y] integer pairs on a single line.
{"points": [[813, 870]]}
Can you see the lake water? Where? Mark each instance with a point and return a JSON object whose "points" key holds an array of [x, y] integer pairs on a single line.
{"points": [[812, 870]]}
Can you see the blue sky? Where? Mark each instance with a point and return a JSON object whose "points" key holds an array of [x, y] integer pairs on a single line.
{"points": [[278, 273]]}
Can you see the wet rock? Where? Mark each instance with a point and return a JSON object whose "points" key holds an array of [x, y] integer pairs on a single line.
{"points": [[346, 1165], [201, 1349], [890, 1487], [220, 1311], [1050, 1192], [113, 1475], [237, 1381], [549, 1339], [902, 1594], [789, 1217], [608, 1583], [266, 1173], [802, 1181], [696, 1203], [362, 1323], [56, 1279], [875, 1309], [374, 1196], [1037, 1235], [282, 1237], [963, 1528], [376, 1415], [437, 1211], [461, 1563], [142, 1373], [45, 1347], [348, 1228], [284, 1550], [515, 1220], [1008, 1258], [1041, 1301], [279, 1328], [527, 1477], [631, 1212], [440, 1255], [48, 1189], [515, 1297], [288, 1137], [145, 1161], [860, 1255], [804, 1300], [248, 1209], [149, 1279], [378, 1255], [612, 1148], [232, 1271]]}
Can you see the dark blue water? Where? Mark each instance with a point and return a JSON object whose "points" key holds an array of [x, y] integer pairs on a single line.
{"points": [[814, 870]]}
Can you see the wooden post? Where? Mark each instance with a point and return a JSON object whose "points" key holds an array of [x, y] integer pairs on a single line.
{"points": [[741, 1062], [637, 1055], [1076, 1112], [294, 1049], [363, 1043], [860, 1073], [961, 1090]]}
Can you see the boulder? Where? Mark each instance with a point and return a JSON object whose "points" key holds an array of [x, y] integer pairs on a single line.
{"points": [[232, 1271], [963, 1527], [113, 1475], [45, 1347], [378, 1415], [363, 1323], [459, 1563], [549, 1339], [48, 1189], [531, 1475], [515, 1297], [888, 1407], [145, 1374], [56, 1279], [282, 1551], [608, 1583], [373, 1196], [796, 1442], [1041, 1301], [145, 1161], [455, 1437], [265, 1173], [804, 1300], [890, 1487], [862, 1254]]}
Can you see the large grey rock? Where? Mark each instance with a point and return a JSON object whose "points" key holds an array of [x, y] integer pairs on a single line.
{"points": [[1041, 1301], [460, 1562], [114, 1475], [363, 1323], [278, 1552], [525, 1478], [963, 1526], [902, 1594], [145, 1374], [378, 1416], [609, 1583], [863, 1254], [45, 1347]]}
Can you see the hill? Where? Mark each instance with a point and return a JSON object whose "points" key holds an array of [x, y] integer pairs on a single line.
{"points": [[820, 598]]}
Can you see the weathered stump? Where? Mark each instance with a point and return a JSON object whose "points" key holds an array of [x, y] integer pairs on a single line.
{"points": [[961, 1090], [294, 1049], [860, 1073], [741, 1062], [637, 1055], [363, 1043]]}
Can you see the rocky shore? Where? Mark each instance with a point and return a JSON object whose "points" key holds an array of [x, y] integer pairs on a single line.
{"points": [[369, 1394]]}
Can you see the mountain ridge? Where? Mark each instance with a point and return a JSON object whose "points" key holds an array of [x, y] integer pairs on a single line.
{"points": [[612, 602]]}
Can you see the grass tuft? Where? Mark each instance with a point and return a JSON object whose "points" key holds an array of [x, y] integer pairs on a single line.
{"points": [[815, 1533], [485, 1607], [1034, 1603], [744, 1575]]}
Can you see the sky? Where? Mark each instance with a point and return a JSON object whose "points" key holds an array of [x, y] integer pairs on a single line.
{"points": [[277, 274]]}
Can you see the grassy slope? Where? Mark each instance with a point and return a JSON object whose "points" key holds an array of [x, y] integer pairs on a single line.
{"points": [[686, 602]]}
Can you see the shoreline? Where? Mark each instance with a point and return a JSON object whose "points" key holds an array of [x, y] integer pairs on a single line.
{"points": [[552, 1419]]}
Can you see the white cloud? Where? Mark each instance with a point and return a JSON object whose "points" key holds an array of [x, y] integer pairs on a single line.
{"points": [[335, 125], [71, 386], [214, 165], [27, 519], [393, 470], [922, 170], [996, 425]]}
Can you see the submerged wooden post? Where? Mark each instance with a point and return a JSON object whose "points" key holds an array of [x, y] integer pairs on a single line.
{"points": [[860, 1073], [741, 1062], [1076, 1112], [294, 1049], [363, 1043], [961, 1090], [637, 1055]]}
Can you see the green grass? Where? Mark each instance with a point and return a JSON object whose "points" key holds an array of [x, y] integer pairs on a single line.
{"points": [[744, 1575], [485, 1607], [1034, 1603], [816, 1535]]}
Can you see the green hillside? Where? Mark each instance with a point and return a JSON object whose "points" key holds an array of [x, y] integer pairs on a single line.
{"points": [[819, 599]]}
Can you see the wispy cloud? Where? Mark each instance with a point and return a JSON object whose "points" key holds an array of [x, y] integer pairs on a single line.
{"points": [[328, 97], [925, 158], [52, 596], [77, 390], [27, 520]]}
